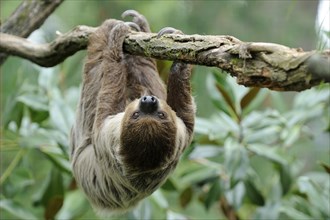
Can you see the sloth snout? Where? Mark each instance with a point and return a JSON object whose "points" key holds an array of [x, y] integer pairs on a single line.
{"points": [[148, 104]]}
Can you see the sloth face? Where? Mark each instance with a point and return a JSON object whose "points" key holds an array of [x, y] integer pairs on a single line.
{"points": [[148, 133], [149, 108]]}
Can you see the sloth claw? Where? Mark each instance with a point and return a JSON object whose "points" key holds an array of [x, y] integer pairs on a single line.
{"points": [[131, 13], [133, 26], [138, 19], [168, 30]]}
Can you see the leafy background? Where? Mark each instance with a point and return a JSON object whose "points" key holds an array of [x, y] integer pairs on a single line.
{"points": [[256, 153]]}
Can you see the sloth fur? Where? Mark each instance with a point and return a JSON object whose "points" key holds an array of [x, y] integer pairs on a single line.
{"points": [[129, 132]]}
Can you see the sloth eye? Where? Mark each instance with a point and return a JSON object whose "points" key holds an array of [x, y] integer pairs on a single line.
{"points": [[161, 115], [135, 115]]}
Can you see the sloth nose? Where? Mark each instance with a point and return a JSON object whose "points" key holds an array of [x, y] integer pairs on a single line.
{"points": [[148, 104]]}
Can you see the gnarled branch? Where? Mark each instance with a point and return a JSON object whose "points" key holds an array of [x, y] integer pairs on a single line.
{"points": [[267, 65], [50, 54], [27, 17]]}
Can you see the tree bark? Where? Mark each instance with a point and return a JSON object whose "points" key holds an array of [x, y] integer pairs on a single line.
{"points": [[266, 65], [27, 17]]}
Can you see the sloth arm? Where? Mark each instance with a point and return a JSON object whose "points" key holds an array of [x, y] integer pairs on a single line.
{"points": [[111, 98], [104, 84], [179, 94]]}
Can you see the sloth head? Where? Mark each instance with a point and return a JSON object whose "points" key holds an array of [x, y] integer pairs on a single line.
{"points": [[148, 137]]}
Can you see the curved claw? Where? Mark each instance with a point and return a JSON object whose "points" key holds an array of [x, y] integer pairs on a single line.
{"points": [[133, 26], [139, 19], [131, 13], [168, 30]]}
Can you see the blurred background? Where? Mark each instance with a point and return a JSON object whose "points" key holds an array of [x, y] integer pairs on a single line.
{"points": [[256, 154]]}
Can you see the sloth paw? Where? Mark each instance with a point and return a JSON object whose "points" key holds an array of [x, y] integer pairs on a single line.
{"points": [[119, 32], [168, 30], [138, 19], [116, 39], [181, 69]]}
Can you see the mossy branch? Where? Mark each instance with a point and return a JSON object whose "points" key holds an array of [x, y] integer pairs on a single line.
{"points": [[267, 65]]}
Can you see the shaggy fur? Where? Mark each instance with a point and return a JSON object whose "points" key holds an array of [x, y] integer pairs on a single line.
{"points": [[118, 159]]}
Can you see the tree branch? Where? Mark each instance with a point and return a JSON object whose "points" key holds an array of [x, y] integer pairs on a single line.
{"points": [[267, 65], [50, 54], [27, 17]]}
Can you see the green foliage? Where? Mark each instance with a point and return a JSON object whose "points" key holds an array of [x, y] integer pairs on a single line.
{"points": [[261, 154], [246, 136]]}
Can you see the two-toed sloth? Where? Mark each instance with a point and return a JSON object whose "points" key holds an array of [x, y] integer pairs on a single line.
{"points": [[129, 132]]}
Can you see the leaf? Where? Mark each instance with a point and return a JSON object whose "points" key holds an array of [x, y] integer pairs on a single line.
{"points": [[226, 97], [213, 195], [256, 102], [326, 167], [293, 213], [39, 116], [160, 199], [169, 185], [249, 97], [268, 153], [314, 96], [36, 102], [203, 126], [142, 211], [200, 175], [253, 193], [228, 123], [22, 177], [27, 127], [285, 178], [17, 209], [48, 78], [205, 151], [218, 127], [51, 192], [292, 135], [54, 205], [37, 139], [235, 195], [266, 135], [217, 98], [57, 157], [175, 216], [75, 204], [53, 197], [236, 160], [261, 120], [314, 193], [186, 196], [61, 115], [269, 211]]}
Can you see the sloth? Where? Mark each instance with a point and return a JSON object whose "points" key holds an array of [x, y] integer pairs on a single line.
{"points": [[129, 131]]}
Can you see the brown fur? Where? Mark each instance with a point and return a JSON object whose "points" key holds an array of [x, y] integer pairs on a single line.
{"points": [[118, 159]]}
